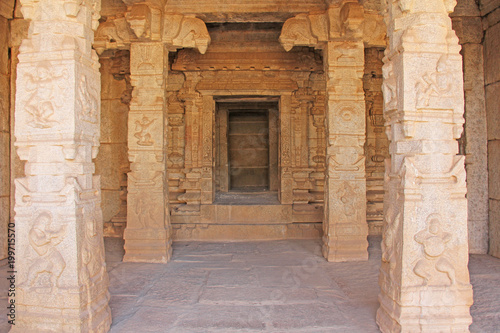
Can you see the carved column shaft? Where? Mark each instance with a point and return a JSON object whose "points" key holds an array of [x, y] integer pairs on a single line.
{"points": [[344, 228], [424, 278], [148, 232], [62, 279]]}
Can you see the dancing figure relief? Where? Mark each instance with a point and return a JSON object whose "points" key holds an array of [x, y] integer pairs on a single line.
{"points": [[437, 84], [433, 241], [142, 134], [44, 238], [41, 104]]}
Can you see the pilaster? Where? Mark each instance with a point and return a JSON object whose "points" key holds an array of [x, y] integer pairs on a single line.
{"points": [[148, 232], [62, 279], [424, 277]]}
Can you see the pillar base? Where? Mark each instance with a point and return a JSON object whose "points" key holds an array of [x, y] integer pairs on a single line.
{"points": [[151, 245], [426, 309], [59, 315], [345, 249]]}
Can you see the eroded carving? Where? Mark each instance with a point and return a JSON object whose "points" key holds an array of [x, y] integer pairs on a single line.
{"points": [[44, 88], [389, 87], [87, 101], [146, 210], [347, 195], [143, 132], [433, 240], [44, 238], [139, 18], [186, 31], [437, 84], [297, 32]]}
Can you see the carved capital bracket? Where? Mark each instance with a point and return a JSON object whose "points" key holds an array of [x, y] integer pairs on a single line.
{"points": [[340, 22], [304, 30], [115, 33], [145, 20], [185, 31], [72, 8], [351, 17]]}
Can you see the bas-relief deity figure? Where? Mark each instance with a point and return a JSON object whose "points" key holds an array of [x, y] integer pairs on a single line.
{"points": [[41, 104], [146, 211], [434, 240], [88, 102], [142, 134], [435, 84], [347, 194], [44, 239]]}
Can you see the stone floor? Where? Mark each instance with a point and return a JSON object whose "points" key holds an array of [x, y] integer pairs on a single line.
{"points": [[273, 286]]}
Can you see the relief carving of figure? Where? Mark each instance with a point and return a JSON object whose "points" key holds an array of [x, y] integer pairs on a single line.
{"points": [[44, 239], [435, 84], [41, 103], [142, 134], [87, 101], [145, 210], [347, 195], [389, 87], [434, 240], [391, 227]]}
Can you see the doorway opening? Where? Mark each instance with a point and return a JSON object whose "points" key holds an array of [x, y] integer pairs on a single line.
{"points": [[247, 151]]}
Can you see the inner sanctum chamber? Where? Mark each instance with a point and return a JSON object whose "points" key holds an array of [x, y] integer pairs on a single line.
{"points": [[245, 138], [160, 121]]}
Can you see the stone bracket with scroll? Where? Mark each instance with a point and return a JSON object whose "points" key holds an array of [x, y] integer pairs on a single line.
{"points": [[304, 30], [185, 31]]}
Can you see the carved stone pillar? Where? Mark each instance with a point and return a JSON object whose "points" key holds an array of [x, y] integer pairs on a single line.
{"points": [[61, 275], [344, 228], [424, 278], [148, 232], [468, 25]]}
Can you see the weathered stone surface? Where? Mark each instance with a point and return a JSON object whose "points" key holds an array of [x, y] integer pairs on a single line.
{"points": [[491, 54], [4, 103], [466, 8], [493, 105], [4, 222], [494, 228], [492, 18], [4, 166], [424, 278], [493, 169], [468, 29], [475, 147], [487, 6], [111, 166], [111, 203], [4, 45], [148, 233], [61, 276], [246, 231]]}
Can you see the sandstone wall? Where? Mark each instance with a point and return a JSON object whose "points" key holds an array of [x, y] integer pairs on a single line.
{"points": [[490, 10], [112, 162]]}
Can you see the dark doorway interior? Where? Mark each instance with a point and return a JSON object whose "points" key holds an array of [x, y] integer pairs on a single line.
{"points": [[248, 150]]}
